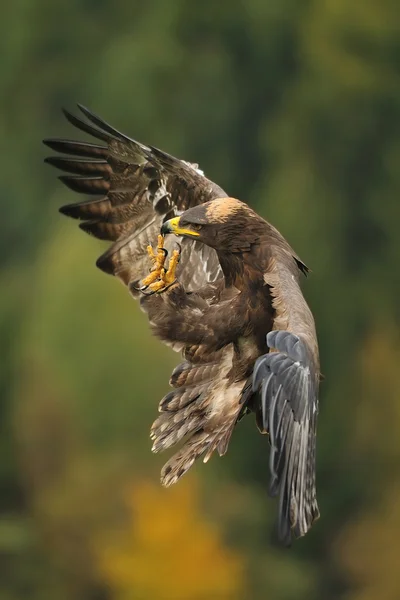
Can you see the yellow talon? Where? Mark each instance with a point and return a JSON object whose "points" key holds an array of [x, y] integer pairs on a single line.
{"points": [[160, 240], [170, 275], [154, 275], [159, 278], [158, 285], [158, 262]]}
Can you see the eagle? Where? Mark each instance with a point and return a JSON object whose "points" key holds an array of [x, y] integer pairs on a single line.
{"points": [[222, 287]]}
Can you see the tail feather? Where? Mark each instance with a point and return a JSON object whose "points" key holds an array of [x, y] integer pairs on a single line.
{"points": [[171, 427], [202, 410], [224, 439], [181, 462], [182, 397], [188, 374]]}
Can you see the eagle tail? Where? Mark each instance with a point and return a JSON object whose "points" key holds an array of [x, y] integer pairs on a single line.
{"points": [[185, 413], [200, 443]]}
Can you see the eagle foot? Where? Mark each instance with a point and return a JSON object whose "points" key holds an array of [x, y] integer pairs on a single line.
{"points": [[160, 278], [167, 278], [158, 260]]}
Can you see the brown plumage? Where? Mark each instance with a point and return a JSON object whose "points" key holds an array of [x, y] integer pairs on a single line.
{"points": [[235, 309]]}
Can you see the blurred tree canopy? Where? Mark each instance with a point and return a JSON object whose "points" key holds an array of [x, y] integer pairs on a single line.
{"points": [[293, 106]]}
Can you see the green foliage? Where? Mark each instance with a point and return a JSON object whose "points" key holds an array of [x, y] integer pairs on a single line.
{"points": [[292, 106]]}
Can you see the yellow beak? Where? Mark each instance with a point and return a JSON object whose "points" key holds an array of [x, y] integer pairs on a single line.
{"points": [[172, 226]]}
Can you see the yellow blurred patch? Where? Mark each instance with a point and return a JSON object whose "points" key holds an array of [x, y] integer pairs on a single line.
{"points": [[169, 550]]}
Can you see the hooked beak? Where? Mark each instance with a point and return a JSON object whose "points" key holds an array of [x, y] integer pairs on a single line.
{"points": [[172, 226]]}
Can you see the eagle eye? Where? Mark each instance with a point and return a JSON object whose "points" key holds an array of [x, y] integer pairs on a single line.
{"points": [[196, 226]]}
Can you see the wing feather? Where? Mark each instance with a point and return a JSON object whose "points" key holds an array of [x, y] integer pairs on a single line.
{"points": [[100, 134], [79, 167], [288, 377], [139, 187], [289, 387], [86, 185], [75, 148]]}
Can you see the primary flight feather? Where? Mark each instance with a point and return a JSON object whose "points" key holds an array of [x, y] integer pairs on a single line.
{"points": [[228, 299]]}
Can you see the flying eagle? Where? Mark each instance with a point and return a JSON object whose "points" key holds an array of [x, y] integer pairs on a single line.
{"points": [[228, 299]]}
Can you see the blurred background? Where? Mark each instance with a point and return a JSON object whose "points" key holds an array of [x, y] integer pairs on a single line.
{"points": [[294, 107]]}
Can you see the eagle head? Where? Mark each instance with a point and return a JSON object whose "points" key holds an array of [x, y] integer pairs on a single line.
{"points": [[223, 224]]}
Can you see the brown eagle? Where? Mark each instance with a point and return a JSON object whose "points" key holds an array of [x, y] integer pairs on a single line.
{"points": [[228, 299]]}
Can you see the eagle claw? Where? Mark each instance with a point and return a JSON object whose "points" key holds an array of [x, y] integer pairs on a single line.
{"points": [[160, 278]]}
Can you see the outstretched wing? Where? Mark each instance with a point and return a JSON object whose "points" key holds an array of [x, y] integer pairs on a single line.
{"points": [[134, 188], [289, 378]]}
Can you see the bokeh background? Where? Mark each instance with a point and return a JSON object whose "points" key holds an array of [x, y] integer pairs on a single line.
{"points": [[293, 106]]}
